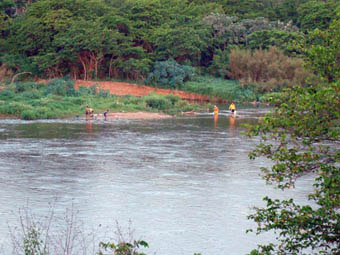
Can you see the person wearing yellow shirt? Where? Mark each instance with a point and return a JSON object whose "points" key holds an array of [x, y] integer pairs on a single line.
{"points": [[232, 107]]}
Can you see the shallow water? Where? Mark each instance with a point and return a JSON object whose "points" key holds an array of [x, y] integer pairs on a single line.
{"points": [[186, 183]]}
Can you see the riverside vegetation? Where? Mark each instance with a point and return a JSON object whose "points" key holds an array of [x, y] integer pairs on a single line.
{"points": [[165, 42], [301, 136], [59, 99]]}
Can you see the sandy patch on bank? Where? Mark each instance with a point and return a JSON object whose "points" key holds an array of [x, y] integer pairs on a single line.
{"points": [[113, 116], [132, 115]]}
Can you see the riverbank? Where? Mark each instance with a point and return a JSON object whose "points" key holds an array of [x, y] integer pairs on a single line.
{"points": [[112, 116], [124, 88], [131, 115], [205, 90], [60, 99]]}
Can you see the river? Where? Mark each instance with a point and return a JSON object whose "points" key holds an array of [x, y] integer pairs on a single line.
{"points": [[186, 184]]}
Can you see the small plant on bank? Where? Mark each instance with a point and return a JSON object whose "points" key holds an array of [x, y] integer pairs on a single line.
{"points": [[33, 242], [122, 248], [55, 234]]}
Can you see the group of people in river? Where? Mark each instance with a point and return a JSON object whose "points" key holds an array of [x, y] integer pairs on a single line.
{"points": [[232, 109], [89, 112], [232, 116]]}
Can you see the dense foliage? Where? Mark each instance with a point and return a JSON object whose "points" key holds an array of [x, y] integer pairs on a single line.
{"points": [[302, 136], [170, 73], [272, 69], [128, 39], [220, 88]]}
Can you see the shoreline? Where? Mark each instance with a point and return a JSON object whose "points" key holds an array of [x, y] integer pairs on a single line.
{"points": [[130, 115], [111, 116]]}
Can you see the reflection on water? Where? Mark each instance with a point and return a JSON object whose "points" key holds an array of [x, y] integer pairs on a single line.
{"points": [[215, 121], [232, 120], [186, 184], [89, 126]]}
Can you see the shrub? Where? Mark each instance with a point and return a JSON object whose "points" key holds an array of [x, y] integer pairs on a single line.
{"points": [[128, 99], [29, 115], [270, 68], [19, 87], [93, 89], [77, 100], [173, 98], [221, 88], [33, 242], [170, 74], [218, 67], [13, 108], [83, 90], [283, 40], [157, 102], [31, 95], [104, 93], [27, 87], [61, 87], [123, 248], [6, 94]]}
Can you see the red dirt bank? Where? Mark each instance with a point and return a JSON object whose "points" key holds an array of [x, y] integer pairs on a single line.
{"points": [[122, 89]]}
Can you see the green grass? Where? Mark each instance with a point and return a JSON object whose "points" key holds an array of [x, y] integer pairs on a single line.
{"points": [[221, 88], [58, 99]]}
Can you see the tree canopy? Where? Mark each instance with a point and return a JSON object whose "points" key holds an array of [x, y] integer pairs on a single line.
{"points": [[300, 136], [105, 39]]}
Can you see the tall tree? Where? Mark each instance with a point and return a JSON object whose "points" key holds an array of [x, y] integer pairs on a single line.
{"points": [[300, 136]]}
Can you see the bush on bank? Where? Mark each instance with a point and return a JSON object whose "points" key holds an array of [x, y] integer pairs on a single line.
{"points": [[58, 99], [225, 89]]}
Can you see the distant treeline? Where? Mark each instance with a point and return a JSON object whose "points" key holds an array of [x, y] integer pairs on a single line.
{"points": [[139, 39]]}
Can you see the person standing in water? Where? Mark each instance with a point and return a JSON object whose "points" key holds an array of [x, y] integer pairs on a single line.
{"points": [[87, 111], [215, 110], [232, 108], [91, 112], [105, 114]]}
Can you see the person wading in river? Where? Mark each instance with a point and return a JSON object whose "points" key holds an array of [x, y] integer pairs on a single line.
{"points": [[91, 112], [215, 110], [232, 108], [105, 114], [87, 111]]}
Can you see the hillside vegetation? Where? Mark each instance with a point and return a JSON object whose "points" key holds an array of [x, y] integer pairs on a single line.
{"points": [[163, 43]]}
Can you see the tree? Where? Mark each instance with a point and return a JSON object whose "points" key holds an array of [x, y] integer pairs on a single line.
{"points": [[283, 40], [168, 28], [170, 74], [302, 136], [316, 14], [287, 10], [324, 53], [5, 5]]}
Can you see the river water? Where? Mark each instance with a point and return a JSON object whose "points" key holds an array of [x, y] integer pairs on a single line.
{"points": [[186, 184]]}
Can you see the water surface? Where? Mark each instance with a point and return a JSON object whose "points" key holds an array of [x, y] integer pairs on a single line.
{"points": [[186, 184]]}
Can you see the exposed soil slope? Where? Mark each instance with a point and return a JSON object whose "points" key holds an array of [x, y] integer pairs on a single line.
{"points": [[122, 88]]}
